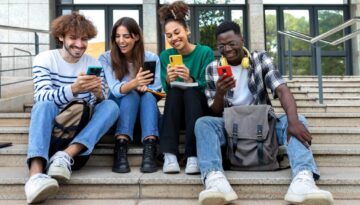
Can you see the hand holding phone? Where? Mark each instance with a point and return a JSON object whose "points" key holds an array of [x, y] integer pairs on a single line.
{"points": [[175, 60], [224, 70], [94, 70], [151, 66]]}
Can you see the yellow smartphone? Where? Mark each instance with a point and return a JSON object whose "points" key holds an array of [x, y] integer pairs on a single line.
{"points": [[175, 60]]}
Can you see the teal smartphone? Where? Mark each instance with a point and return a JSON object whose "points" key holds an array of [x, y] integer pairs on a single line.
{"points": [[94, 70]]}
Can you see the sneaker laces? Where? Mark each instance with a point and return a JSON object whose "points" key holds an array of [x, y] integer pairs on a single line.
{"points": [[217, 181], [121, 148], [170, 159], [63, 160], [192, 162], [39, 178], [306, 180], [149, 149]]}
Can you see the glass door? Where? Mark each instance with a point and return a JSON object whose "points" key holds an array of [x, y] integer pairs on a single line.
{"points": [[96, 45]]}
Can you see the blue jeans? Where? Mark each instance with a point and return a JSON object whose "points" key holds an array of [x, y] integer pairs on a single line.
{"points": [[211, 135], [42, 122], [130, 105]]}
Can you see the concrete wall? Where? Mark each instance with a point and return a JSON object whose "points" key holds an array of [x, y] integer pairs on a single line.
{"points": [[150, 30], [256, 25], [26, 14]]}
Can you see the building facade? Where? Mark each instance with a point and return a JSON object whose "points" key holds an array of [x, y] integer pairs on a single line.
{"points": [[259, 20]]}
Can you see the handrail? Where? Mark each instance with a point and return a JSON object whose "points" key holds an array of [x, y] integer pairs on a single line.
{"points": [[35, 43], [336, 29], [25, 51], [315, 41], [14, 28]]}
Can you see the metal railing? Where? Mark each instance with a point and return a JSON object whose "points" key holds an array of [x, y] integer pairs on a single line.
{"points": [[28, 54], [315, 42]]}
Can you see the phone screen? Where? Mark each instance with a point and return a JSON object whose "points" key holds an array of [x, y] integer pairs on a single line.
{"points": [[94, 70], [151, 66]]}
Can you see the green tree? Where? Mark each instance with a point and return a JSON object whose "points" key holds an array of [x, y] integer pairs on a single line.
{"points": [[208, 21]]}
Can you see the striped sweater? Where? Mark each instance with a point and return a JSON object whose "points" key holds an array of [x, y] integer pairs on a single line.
{"points": [[53, 76]]}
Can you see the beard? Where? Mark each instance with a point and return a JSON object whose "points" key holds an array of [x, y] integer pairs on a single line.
{"points": [[70, 49]]}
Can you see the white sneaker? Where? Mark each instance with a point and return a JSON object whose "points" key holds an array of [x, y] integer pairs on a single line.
{"points": [[192, 166], [217, 191], [39, 187], [171, 165], [303, 190], [60, 166]]}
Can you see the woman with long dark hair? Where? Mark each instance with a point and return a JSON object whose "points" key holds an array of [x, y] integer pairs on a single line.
{"points": [[128, 83]]}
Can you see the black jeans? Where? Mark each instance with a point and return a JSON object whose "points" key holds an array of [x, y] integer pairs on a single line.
{"points": [[182, 107]]}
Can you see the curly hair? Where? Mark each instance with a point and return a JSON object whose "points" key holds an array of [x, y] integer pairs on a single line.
{"points": [[73, 22], [118, 59], [228, 26], [177, 11]]}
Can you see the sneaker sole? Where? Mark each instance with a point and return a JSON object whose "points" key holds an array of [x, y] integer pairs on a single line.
{"points": [[217, 198], [42, 194], [311, 199], [58, 174], [192, 172], [148, 170], [172, 170], [120, 170]]}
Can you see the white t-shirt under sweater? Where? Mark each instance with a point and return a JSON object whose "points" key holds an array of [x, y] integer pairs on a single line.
{"points": [[240, 95], [53, 76]]}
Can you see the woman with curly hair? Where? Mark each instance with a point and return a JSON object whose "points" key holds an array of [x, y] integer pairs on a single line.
{"points": [[183, 106]]}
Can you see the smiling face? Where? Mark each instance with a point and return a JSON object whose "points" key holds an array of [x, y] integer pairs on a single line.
{"points": [[125, 41], [176, 35], [74, 46], [230, 46]]}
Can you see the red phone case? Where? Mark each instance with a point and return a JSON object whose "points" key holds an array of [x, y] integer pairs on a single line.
{"points": [[225, 69]]}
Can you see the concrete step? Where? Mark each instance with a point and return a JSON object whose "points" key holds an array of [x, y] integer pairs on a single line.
{"points": [[322, 108], [312, 107], [346, 155], [327, 100], [325, 78], [87, 183], [158, 202], [14, 119], [303, 94], [325, 85], [315, 119], [329, 88], [323, 132]]}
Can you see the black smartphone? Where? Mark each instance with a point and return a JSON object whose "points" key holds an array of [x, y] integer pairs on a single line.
{"points": [[151, 66], [94, 70], [5, 144]]}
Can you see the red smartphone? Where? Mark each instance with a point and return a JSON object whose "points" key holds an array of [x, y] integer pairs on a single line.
{"points": [[224, 70]]}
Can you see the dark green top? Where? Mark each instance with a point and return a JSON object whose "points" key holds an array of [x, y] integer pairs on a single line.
{"points": [[196, 61]]}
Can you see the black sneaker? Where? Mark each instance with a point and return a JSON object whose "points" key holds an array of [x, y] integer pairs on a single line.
{"points": [[121, 164], [148, 164]]}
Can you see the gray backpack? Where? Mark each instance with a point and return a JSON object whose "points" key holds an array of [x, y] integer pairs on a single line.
{"points": [[251, 142]]}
